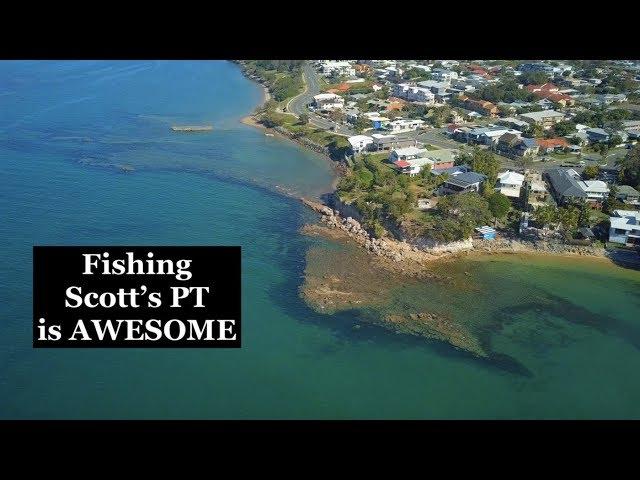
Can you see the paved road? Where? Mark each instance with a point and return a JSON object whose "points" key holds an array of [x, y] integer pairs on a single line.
{"points": [[298, 105]]}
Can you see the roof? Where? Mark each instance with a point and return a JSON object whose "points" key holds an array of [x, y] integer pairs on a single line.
{"points": [[486, 229], [466, 179], [510, 177], [409, 151], [326, 96], [541, 115], [456, 170], [356, 139], [597, 131], [529, 142], [595, 186], [625, 220], [402, 164], [552, 142], [564, 183], [509, 138], [586, 232], [627, 190]]}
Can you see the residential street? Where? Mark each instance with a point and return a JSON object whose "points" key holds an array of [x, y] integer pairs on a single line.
{"points": [[298, 105]]}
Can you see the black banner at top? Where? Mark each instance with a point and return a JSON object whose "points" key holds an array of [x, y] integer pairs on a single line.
{"points": [[136, 296]]}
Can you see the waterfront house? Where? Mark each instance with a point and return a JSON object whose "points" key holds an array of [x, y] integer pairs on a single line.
{"points": [[359, 143], [510, 183], [463, 182], [407, 153], [545, 118], [537, 193], [383, 142], [568, 186], [625, 227]]}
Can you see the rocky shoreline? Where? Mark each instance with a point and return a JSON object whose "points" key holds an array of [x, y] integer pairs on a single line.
{"points": [[402, 251]]}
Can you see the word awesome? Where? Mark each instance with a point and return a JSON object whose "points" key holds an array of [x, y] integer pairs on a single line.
{"points": [[153, 330]]}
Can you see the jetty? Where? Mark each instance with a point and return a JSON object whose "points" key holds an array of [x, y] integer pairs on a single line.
{"points": [[191, 128]]}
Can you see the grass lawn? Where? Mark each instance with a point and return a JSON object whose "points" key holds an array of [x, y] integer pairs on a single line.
{"points": [[428, 146]]}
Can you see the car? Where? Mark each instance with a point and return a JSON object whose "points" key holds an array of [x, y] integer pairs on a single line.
{"points": [[582, 162]]}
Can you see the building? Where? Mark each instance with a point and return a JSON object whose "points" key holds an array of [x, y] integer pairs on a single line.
{"points": [[463, 182], [597, 135], [481, 106], [511, 145], [545, 118], [488, 135], [404, 125], [537, 194], [413, 93], [513, 122], [407, 153], [342, 68], [486, 232], [567, 186], [388, 142], [550, 145], [625, 227], [510, 183], [405, 167], [359, 143], [328, 101], [628, 194], [551, 93]]}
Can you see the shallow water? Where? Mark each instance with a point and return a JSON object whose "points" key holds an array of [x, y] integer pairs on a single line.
{"points": [[566, 329]]}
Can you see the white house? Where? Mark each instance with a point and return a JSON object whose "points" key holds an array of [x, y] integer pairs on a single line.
{"points": [[407, 153], [509, 183], [359, 143], [328, 101], [330, 67], [625, 227], [404, 125], [413, 93], [596, 190]]}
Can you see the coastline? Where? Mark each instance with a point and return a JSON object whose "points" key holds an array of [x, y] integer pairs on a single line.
{"points": [[397, 250], [251, 120]]}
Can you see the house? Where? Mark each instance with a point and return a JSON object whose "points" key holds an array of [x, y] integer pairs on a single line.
{"points": [[404, 125], [512, 145], [359, 143], [451, 171], [509, 183], [488, 135], [388, 142], [564, 185], [378, 122], [628, 194], [481, 106], [513, 122], [342, 68], [328, 101], [545, 118], [537, 193], [463, 182], [413, 93], [405, 167], [625, 227], [442, 158], [550, 145], [596, 135], [551, 93], [406, 153]]}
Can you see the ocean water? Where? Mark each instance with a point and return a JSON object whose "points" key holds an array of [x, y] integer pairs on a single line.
{"points": [[568, 331]]}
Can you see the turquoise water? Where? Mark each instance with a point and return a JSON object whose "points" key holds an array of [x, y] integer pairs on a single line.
{"points": [[571, 328]]}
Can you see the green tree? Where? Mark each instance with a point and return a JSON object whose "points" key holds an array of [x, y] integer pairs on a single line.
{"points": [[303, 119], [630, 171], [546, 215], [499, 205], [591, 171], [562, 129], [482, 161]]}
